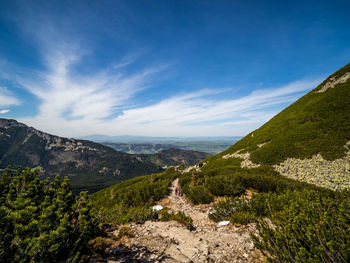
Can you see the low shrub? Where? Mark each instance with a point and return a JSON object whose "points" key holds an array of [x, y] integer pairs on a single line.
{"points": [[131, 200], [312, 227], [98, 245], [179, 217], [122, 215], [199, 195], [224, 186], [42, 221], [243, 217], [234, 181], [125, 231]]}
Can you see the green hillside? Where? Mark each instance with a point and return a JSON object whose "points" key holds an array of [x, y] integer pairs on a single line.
{"points": [[131, 200], [316, 123], [308, 141]]}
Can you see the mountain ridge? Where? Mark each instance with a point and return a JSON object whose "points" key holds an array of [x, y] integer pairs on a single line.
{"points": [[83, 161], [89, 165]]}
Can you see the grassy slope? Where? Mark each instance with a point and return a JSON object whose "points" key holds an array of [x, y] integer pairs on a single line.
{"points": [[316, 123], [131, 200]]}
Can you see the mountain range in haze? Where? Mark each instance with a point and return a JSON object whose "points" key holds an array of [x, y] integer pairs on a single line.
{"points": [[89, 165], [159, 140]]}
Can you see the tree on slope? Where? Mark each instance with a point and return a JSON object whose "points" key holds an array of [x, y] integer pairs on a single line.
{"points": [[41, 221]]}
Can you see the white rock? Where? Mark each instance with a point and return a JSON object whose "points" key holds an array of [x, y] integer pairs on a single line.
{"points": [[223, 223], [157, 208]]}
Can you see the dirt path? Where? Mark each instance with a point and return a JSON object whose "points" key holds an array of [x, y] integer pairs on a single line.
{"points": [[199, 213], [172, 242]]}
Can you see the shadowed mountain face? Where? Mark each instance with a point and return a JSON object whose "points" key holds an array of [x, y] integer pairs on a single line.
{"points": [[89, 165]]}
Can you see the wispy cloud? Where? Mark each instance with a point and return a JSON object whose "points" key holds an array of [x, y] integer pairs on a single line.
{"points": [[200, 107], [72, 103], [80, 96], [4, 111], [7, 98], [191, 114], [77, 105], [69, 98], [80, 102]]}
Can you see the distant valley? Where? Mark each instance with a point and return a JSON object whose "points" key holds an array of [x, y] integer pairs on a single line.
{"points": [[89, 165], [173, 157], [211, 147]]}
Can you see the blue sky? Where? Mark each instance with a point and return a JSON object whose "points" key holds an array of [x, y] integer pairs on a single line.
{"points": [[164, 68]]}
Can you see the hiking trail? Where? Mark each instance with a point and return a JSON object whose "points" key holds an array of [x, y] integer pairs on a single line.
{"points": [[169, 242]]}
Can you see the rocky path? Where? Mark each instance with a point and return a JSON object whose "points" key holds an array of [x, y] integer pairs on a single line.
{"points": [[156, 241]]}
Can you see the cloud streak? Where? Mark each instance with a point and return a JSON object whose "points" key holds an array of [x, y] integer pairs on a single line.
{"points": [[84, 97], [69, 99], [7, 98], [198, 111], [78, 105], [4, 111]]}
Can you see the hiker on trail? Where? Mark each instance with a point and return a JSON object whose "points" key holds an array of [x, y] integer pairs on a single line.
{"points": [[178, 191]]}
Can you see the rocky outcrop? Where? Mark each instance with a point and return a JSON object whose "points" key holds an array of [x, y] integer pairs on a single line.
{"points": [[262, 144], [51, 141], [333, 82], [246, 163], [331, 174], [196, 167], [7, 123]]}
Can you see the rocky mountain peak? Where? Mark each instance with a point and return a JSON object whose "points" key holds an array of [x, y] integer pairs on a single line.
{"points": [[7, 123]]}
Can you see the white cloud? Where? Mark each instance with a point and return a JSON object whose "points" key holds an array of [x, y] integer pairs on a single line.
{"points": [[7, 98], [76, 105], [87, 97], [4, 111], [199, 107], [73, 104], [193, 114]]}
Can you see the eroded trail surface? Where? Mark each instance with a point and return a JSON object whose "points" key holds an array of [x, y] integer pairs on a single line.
{"points": [[156, 241]]}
